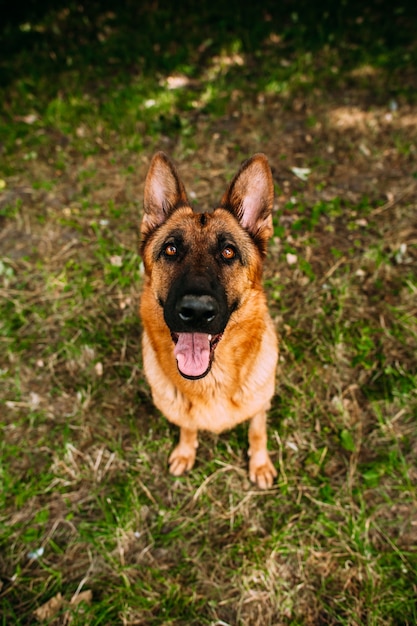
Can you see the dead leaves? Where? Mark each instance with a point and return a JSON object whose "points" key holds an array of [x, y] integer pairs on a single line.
{"points": [[58, 605]]}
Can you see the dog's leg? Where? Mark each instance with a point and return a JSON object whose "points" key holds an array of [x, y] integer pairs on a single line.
{"points": [[261, 470], [183, 456]]}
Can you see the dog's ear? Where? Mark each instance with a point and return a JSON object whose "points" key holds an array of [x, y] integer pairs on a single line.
{"points": [[250, 197], [164, 192]]}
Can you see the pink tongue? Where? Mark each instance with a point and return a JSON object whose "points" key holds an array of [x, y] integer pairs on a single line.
{"points": [[192, 352]]}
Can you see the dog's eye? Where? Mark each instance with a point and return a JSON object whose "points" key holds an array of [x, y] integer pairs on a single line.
{"points": [[170, 250], [228, 253]]}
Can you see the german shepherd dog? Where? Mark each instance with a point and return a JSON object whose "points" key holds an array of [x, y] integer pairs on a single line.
{"points": [[209, 345]]}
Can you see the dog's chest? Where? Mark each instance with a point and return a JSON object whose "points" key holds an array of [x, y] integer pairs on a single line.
{"points": [[216, 404]]}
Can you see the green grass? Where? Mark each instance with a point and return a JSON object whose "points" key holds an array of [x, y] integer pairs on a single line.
{"points": [[93, 529]]}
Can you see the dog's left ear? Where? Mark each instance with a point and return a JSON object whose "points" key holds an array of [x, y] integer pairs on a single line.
{"points": [[164, 192], [250, 198]]}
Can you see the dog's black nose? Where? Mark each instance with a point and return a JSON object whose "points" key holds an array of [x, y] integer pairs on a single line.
{"points": [[197, 310]]}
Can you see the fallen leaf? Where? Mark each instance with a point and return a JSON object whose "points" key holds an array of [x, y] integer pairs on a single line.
{"points": [[301, 172], [99, 368], [48, 610], [34, 401], [175, 82], [85, 596], [291, 258], [116, 260], [30, 119]]}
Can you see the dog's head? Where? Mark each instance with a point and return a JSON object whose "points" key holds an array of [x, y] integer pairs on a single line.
{"points": [[203, 266]]}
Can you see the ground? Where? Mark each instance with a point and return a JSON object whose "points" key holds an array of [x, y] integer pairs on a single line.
{"points": [[93, 529]]}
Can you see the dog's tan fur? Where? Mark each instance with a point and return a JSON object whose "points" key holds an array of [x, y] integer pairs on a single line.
{"points": [[241, 381]]}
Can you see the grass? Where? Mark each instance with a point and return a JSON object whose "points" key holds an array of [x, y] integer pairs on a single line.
{"points": [[93, 530]]}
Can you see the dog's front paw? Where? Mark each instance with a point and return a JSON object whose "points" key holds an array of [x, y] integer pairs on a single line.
{"points": [[181, 460], [261, 470]]}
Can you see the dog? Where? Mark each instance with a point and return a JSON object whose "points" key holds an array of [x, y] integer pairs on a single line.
{"points": [[209, 345]]}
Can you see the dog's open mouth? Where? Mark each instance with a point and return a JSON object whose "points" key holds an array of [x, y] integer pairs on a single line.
{"points": [[194, 353]]}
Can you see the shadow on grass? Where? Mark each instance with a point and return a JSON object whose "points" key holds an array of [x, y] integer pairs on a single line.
{"points": [[101, 39]]}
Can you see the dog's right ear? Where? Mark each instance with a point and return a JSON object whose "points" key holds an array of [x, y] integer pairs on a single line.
{"points": [[164, 192], [250, 197]]}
